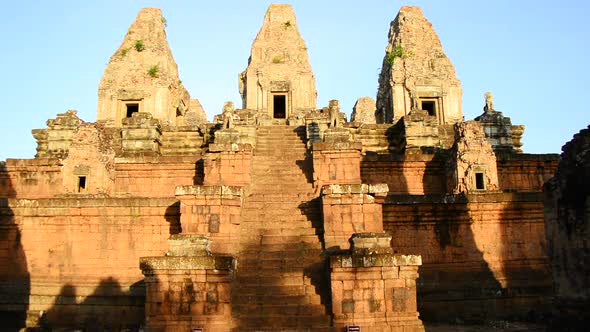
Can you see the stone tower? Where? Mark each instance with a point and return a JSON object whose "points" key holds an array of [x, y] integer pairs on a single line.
{"points": [[416, 73], [142, 76], [278, 80]]}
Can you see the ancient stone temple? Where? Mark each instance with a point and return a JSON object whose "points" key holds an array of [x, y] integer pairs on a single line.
{"points": [[279, 215]]}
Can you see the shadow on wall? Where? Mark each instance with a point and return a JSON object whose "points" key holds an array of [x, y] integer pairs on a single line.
{"points": [[455, 282], [14, 275], [108, 308], [173, 218], [524, 270]]}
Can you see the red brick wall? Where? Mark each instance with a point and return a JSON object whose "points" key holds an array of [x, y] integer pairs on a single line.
{"points": [[336, 166], [483, 255], [426, 174], [410, 174], [36, 178], [214, 211], [228, 168], [158, 178], [525, 172], [349, 213], [84, 254]]}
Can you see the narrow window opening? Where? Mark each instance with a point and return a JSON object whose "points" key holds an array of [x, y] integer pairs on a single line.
{"points": [[132, 108], [81, 183], [429, 106], [279, 106], [479, 181]]}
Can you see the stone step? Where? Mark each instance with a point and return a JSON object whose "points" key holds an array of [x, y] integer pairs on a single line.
{"points": [[292, 239], [247, 250], [264, 322], [283, 295], [279, 308], [271, 266], [291, 232], [281, 207], [280, 219], [283, 196], [285, 187], [275, 290], [294, 277], [254, 254], [253, 224]]}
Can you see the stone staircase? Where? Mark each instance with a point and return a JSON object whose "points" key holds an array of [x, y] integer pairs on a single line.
{"points": [[280, 268]]}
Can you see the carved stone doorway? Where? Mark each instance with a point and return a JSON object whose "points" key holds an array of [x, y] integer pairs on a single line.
{"points": [[279, 106]]}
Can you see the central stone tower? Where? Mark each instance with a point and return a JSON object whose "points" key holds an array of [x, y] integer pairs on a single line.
{"points": [[278, 81]]}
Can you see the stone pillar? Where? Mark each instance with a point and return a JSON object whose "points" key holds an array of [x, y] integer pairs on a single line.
{"points": [[336, 162], [188, 288], [141, 134], [420, 131], [373, 288], [350, 209], [213, 211], [228, 162]]}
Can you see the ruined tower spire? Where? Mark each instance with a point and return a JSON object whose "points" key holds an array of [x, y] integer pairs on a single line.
{"points": [[416, 73], [142, 76], [278, 80]]}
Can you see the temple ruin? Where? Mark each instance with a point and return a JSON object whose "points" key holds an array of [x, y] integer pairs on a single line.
{"points": [[282, 215]]}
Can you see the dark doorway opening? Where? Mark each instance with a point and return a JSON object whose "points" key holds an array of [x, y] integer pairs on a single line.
{"points": [[132, 108], [81, 183], [279, 103], [429, 106], [479, 183]]}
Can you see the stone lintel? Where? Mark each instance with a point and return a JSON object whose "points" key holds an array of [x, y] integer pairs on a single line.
{"points": [[209, 190], [380, 189], [327, 146], [337, 136], [371, 243], [374, 260], [227, 137], [149, 265], [229, 147], [188, 245]]}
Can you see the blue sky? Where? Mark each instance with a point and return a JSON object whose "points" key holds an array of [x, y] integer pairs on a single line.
{"points": [[532, 55]]}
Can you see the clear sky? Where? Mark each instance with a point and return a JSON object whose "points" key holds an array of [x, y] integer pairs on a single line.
{"points": [[532, 55]]}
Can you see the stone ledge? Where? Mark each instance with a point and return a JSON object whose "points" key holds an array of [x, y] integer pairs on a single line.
{"points": [[380, 189], [484, 197], [327, 146], [209, 190], [371, 244], [230, 147], [378, 260], [149, 264], [87, 202], [188, 245]]}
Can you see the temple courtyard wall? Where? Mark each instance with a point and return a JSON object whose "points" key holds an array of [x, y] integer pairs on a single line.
{"points": [[76, 255]]}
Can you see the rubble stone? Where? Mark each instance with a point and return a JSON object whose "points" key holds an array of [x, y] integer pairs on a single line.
{"points": [[364, 111]]}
